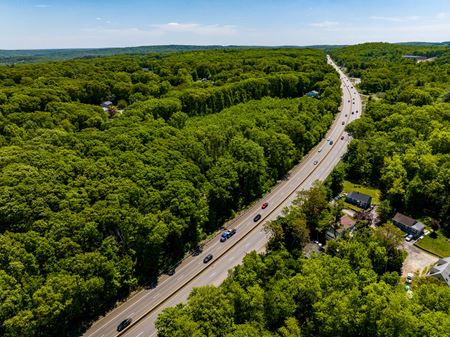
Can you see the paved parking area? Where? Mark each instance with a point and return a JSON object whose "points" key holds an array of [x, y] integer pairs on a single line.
{"points": [[417, 259]]}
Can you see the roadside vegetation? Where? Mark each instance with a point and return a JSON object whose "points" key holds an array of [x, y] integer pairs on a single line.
{"points": [[353, 288], [402, 142], [94, 203]]}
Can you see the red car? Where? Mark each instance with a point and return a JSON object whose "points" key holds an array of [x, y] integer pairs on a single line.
{"points": [[265, 205]]}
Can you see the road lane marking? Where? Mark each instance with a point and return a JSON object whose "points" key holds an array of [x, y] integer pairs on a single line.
{"points": [[140, 334], [156, 295], [212, 274], [285, 200]]}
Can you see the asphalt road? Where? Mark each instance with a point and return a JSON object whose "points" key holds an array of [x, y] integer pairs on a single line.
{"points": [[144, 306]]}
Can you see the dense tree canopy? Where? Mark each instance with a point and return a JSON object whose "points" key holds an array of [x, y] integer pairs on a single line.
{"points": [[92, 203], [402, 142], [351, 289]]}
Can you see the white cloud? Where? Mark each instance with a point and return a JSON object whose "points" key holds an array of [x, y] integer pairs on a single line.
{"points": [[42, 6], [325, 24], [395, 18], [195, 28], [443, 16]]}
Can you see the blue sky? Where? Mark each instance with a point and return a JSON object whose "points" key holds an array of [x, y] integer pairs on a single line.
{"points": [[34, 24]]}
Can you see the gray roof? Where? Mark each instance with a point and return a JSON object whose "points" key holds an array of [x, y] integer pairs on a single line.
{"points": [[404, 220], [364, 198], [442, 270], [418, 226]]}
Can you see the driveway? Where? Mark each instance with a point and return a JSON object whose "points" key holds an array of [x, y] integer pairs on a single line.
{"points": [[417, 260]]}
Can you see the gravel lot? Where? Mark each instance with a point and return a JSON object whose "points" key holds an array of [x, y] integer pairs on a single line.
{"points": [[417, 260]]}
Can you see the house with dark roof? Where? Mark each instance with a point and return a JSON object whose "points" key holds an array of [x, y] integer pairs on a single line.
{"points": [[359, 199], [408, 225], [441, 270]]}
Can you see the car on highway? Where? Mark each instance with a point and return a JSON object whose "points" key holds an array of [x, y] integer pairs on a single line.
{"points": [[342, 138], [353, 102], [353, 113], [126, 322], [257, 217], [331, 142], [263, 206], [320, 150], [345, 115], [315, 162], [207, 258], [225, 235], [349, 101], [343, 123]]}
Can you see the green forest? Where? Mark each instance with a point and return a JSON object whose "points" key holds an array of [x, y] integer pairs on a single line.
{"points": [[353, 288], [95, 202], [402, 142]]}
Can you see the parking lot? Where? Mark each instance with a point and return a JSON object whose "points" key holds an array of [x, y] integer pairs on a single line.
{"points": [[417, 259]]}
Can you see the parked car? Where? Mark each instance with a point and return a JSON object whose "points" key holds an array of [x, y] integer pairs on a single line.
{"points": [[409, 277], [263, 206], [409, 237], [257, 217], [126, 322], [207, 258]]}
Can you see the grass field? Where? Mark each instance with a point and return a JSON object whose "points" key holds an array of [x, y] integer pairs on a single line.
{"points": [[440, 245], [373, 192]]}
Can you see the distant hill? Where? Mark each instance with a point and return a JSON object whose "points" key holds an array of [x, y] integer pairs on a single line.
{"points": [[424, 44], [39, 55], [42, 55]]}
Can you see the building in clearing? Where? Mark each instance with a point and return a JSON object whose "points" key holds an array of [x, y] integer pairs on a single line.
{"points": [[312, 93], [441, 270], [359, 199], [408, 225], [346, 225]]}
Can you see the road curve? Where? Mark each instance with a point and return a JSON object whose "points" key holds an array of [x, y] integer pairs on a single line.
{"points": [[144, 306]]}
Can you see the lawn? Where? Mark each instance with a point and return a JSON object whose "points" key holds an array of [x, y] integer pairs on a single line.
{"points": [[437, 244], [373, 192]]}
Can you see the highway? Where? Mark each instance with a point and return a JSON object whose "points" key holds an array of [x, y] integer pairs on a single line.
{"points": [[144, 306]]}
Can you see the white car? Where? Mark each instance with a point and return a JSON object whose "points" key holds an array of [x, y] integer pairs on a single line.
{"points": [[409, 277], [409, 238]]}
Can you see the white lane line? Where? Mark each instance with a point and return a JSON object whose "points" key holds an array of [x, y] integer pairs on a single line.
{"points": [[156, 295], [213, 274], [140, 334], [180, 277]]}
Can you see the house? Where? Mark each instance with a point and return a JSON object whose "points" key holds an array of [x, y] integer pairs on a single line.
{"points": [[441, 270], [106, 105], [408, 225], [347, 225], [359, 199], [312, 93]]}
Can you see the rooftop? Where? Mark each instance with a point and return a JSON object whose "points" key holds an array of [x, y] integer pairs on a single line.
{"points": [[404, 219], [359, 196]]}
